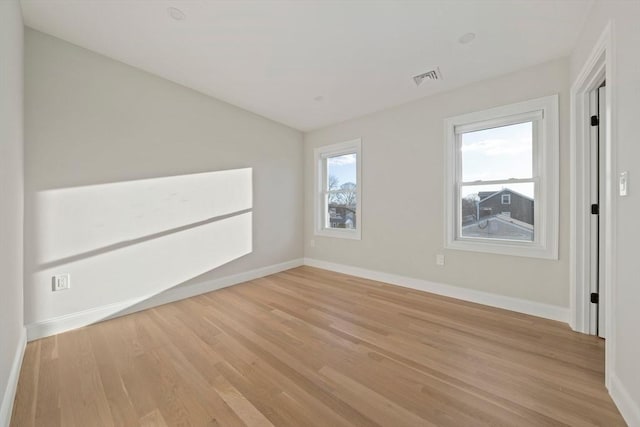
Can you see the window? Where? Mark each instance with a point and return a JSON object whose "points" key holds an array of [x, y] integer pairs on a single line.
{"points": [[337, 190], [504, 156]]}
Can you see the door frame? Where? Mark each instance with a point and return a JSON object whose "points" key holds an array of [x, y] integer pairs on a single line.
{"points": [[598, 67]]}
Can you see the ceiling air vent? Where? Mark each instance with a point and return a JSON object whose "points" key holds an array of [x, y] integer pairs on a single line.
{"points": [[429, 75]]}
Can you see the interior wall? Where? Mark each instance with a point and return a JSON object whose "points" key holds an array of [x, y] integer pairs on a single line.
{"points": [[402, 195], [625, 19], [127, 173], [11, 192]]}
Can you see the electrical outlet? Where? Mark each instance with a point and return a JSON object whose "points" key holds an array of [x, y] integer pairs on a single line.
{"points": [[439, 259], [60, 282]]}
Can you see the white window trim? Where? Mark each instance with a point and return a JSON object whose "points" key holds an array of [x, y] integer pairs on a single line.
{"points": [[508, 202], [546, 157], [320, 155]]}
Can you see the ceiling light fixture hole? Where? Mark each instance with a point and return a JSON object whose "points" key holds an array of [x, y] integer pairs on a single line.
{"points": [[176, 13], [467, 38]]}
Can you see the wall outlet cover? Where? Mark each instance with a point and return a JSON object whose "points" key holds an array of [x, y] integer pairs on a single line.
{"points": [[60, 282]]}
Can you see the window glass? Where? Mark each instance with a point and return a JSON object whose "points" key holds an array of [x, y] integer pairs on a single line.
{"points": [[483, 215], [342, 191], [342, 169], [498, 153], [503, 154]]}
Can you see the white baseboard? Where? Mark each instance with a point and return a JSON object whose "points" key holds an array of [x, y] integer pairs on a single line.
{"points": [[86, 317], [79, 319], [629, 409], [546, 311], [6, 406]]}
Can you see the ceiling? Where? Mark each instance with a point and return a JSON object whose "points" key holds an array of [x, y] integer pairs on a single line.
{"points": [[277, 58]]}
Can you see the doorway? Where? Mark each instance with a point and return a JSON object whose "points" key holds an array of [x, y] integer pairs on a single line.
{"points": [[593, 181]]}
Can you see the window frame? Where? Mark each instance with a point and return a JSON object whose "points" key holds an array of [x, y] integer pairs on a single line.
{"points": [[320, 191], [508, 196], [545, 176]]}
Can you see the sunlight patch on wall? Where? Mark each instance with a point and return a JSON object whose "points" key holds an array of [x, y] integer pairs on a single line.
{"points": [[137, 238], [73, 221]]}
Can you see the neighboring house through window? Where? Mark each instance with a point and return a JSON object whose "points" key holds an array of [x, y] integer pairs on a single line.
{"points": [[502, 180], [338, 187]]}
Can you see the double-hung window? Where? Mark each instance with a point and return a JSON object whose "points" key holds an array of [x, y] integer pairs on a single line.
{"points": [[338, 189], [501, 192]]}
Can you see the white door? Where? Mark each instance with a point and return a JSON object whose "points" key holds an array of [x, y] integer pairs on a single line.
{"points": [[597, 154], [602, 188]]}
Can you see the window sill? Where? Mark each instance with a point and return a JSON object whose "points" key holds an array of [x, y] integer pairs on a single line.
{"points": [[341, 234], [505, 248]]}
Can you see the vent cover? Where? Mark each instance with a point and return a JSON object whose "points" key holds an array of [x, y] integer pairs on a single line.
{"points": [[429, 75]]}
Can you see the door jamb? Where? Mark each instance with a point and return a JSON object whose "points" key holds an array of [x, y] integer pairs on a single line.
{"points": [[598, 66]]}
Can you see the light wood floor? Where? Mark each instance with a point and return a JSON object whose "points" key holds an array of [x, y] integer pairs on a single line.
{"points": [[309, 347]]}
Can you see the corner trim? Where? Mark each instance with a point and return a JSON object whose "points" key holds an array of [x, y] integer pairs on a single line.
{"points": [[79, 319], [9, 395], [546, 311], [628, 408]]}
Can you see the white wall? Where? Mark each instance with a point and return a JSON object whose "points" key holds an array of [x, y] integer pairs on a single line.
{"points": [[135, 185], [625, 17], [402, 200], [11, 197]]}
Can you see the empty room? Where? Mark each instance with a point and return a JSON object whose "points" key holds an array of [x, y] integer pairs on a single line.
{"points": [[319, 213]]}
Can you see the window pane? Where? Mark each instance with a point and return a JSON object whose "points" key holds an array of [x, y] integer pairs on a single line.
{"points": [[341, 208], [498, 212], [500, 153], [342, 184], [341, 171]]}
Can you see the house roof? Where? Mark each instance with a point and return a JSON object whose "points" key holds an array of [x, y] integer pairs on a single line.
{"points": [[514, 222], [503, 191], [508, 228]]}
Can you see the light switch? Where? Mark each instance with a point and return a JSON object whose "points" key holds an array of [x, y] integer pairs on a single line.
{"points": [[623, 183]]}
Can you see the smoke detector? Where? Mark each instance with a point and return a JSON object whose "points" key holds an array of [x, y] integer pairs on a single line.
{"points": [[429, 75]]}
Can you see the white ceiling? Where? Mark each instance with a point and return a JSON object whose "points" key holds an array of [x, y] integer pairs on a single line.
{"points": [[275, 57]]}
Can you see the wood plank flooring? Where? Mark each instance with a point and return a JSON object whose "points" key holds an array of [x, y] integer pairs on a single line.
{"points": [[308, 347]]}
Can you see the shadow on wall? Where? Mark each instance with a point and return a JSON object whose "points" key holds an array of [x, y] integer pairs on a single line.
{"points": [[136, 239]]}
